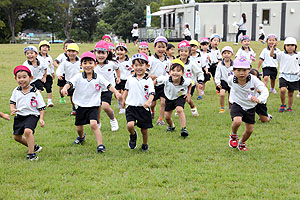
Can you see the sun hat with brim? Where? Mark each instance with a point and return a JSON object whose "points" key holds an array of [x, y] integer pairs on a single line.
{"points": [[88, 54], [106, 37], [21, 68], [227, 48], [143, 45], [122, 45], [141, 56], [73, 47], [161, 39], [272, 36], [290, 40], [177, 61], [241, 63], [111, 46], [215, 36], [204, 40], [44, 42], [245, 37], [101, 46], [30, 48], [194, 42]]}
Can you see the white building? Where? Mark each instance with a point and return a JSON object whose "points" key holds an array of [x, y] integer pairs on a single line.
{"points": [[279, 17]]}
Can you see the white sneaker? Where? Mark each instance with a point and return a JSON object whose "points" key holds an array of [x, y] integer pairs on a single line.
{"points": [[114, 124], [298, 95], [99, 125], [194, 112], [235, 43], [202, 93], [122, 111], [273, 91], [50, 103], [119, 105]]}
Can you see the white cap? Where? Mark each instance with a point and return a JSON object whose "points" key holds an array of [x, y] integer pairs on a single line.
{"points": [[261, 25], [290, 40]]}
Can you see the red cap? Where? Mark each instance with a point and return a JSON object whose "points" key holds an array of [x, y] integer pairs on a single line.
{"points": [[106, 36], [21, 68]]}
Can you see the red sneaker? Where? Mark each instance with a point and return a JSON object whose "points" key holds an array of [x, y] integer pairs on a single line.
{"points": [[242, 147], [233, 141]]}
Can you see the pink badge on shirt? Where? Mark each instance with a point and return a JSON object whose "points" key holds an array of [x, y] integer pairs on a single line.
{"points": [[97, 87], [33, 102]]}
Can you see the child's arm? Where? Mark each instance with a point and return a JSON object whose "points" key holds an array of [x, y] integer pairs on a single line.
{"points": [[64, 91], [218, 77], [118, 71], [4, 116], [260, 61], [272, 51], [116, 93], [45, 76], [13, 109], [125, 93], [188, 94], [42, 114], [264, 93], [149, 101]]}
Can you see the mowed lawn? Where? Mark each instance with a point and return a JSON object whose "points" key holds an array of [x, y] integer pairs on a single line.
{"points": [[201, 166]]}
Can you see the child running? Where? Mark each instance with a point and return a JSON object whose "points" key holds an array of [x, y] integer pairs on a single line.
{"points": [[223, 71], [191, 70], [4, 116], [245, 50], [125, 66], [269, 65], [242, 97], [69, 68], [144, 48], [216, 57], [47, 61], [87, 92], [170, 52], [27, 103], [106, 69], [139, 93], [205, 63], [289, 71], [261, 33], [177, 90]]}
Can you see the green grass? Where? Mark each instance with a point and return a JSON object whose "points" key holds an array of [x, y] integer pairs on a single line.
{"points": [[199, 167]]}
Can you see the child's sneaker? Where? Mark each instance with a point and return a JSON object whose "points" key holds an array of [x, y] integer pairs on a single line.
{"points": [[79, 140], [242, 147], [32, 156], [101, 148], [171, 129], [176, 114], [160, 123], [298, 95], [37, 148], [194, 112], [270, 116], [119, 105], [222, 110], [282, 108], [235, 43], [233, 141], [199, 98], [184, 132], [217, 92], [273, 91], [73, 112], [99, 125], [122, 111], [114, 124], [290, 109], [132, 141], [50, 103], [62, 100], [145, 147]]}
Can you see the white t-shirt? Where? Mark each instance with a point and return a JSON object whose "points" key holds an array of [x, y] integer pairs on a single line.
{"points": [[158, 67], [242, 25], [139, 90], [107, 71], [289, 66], [172, 91], [204, 59], [135, 33], [87, 93], [261, 32], [48, 62], [62, 57], [223, 72], [268, 61], [69, 69], [215, 55], [187, 32], [30, 103], [193, 71], [249, 55], [36, 71], [125, 68], [241, 95]]}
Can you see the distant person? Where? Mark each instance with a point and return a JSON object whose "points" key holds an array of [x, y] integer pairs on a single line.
{"points": [[261, 33], [170, 52], [144, 48], [245, 49], [187, 33], [135, 34], [107, 38], [241, 28], [115, 38]]}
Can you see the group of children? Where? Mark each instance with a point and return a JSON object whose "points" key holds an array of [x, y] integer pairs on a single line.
{"points": [[138, 82]]}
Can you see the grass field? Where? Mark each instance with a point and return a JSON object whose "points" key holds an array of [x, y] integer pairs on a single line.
{"points": [[199, 167]]}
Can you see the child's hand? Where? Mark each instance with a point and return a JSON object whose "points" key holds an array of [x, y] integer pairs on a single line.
{"points": [[13, 112], [53, 76], [254, 99], [146, 104], [119, 96], [153, 77], [219, 86], [42, 123], [64, 92], [253, 59], [187, 97], [60, 77], [5, 116], [44, 80], [118, 80]]}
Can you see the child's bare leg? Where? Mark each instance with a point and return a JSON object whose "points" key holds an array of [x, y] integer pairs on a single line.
{"points": [[181, 115], [237, 121], [264, 118], [21, 139], [99, 114], [152, 107], [222, 97], [162, 108], [71, 99], [109, 111], [282, 95], [80, 131], [29, 139], [290, 98], [272, 83], [168, 116], [49, 95], [145, 135], [198, 89], [203, 86], [266, 80], [191, 103], [247, 132], [130, 127], [60, 88], [96, 130]]}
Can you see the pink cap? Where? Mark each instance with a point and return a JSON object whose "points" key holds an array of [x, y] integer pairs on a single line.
{"points": [[111, 46], [101, 46], [227, 48], [241, 63], [141, 56], [183, 45], [88, 54], [21, 68], [122, 45], [143, 45], [204, 40], [106, 37], [245, 37]]}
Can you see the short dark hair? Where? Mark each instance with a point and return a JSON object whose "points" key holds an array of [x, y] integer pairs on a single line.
{"points": [[69, 42], [122, 48], [29, 74], [170, 46], [255, 72], [173, 66], [140, 61]]}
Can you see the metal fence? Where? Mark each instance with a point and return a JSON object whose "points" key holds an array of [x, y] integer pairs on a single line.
{"points": [[149, 34]]}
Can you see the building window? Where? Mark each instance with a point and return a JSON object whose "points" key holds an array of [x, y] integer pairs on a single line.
{"points": [[165, 21], [266, 17], [173, 24]]}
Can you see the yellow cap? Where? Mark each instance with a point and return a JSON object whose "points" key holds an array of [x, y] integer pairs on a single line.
{"points": [[194, 42], [44, 42], [178, 61], [73, 46]]}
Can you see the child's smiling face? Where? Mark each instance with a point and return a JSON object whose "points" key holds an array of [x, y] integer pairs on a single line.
{"points": [[176, 73], [101, 56], [246, 43], [23, 79], [184, 53], [31, 55], [215, 42], [72, 54], [160, 49], [88, 65]]}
